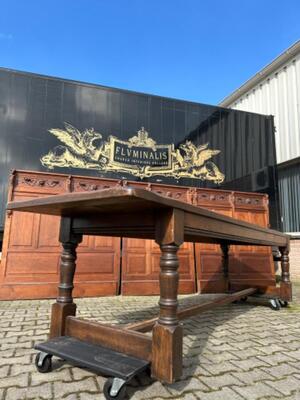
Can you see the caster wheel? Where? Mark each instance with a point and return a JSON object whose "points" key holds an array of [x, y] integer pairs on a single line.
{"points": [[283, 303], [275, 304], [43, 362], [120, 395]]}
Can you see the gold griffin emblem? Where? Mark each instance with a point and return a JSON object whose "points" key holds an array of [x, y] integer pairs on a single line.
{"points": [[140, 156]]}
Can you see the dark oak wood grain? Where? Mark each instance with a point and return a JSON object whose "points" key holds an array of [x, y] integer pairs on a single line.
{"points": [[141, 205], [147, 325], [129, 342]]}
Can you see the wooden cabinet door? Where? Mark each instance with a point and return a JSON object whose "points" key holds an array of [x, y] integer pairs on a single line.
{"points": [[140, 267], [31, 251], [248, 265], [252, 265], [210, 274]]}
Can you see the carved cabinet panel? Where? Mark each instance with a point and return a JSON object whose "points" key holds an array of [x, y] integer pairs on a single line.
{"points": [[31, 251], [140, 267]]}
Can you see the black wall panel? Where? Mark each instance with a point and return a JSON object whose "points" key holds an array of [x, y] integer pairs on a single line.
{"points": [[30, 105]]}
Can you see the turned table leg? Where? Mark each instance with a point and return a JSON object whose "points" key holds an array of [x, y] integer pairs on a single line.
{"points": [[167, 333], [64, 305], [225, 264], [285, 284]]}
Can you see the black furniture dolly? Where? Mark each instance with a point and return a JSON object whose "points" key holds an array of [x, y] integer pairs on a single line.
{"points": [[119, 366]]}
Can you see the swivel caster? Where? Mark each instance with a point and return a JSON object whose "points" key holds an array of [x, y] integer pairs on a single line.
{"points": [[283, 303], [114, 389], [275, 304], [43, 362]]}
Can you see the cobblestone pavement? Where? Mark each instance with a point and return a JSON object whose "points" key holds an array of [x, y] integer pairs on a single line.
{"points": [[235, 352]]}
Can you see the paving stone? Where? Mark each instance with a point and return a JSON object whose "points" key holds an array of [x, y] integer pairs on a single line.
{"points": [[246, 344], [221, 368], [148, 392], [257, 391], [196, 371], [217, 382], [233, 352], [29, 393], [7, 353], [250, 377], [4, 370], [19, 368], [14, 346], [217, 358], [187, 396], [293, 353], [295, 396], [80, 373], [281, 370], [7, 340], [62, 389], [225, 393], [20, 380], [188, 385], [90, 396], [247, 353], [277, 358], [62, 375], [74, 396], [250, 363], [271, 349], [294, 345], [286, 386]]}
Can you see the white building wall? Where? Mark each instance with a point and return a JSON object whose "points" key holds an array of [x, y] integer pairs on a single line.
{"points": [[278, 95]]}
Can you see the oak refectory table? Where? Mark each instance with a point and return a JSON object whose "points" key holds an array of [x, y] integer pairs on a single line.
{"points": [[137, 213]]}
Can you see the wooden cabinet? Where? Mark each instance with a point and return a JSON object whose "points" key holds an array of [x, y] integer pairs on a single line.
{"points": [[248, 265], [252, 265], [110, 266], [31, 251]]}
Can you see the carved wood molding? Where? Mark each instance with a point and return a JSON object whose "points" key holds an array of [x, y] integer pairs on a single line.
{"points": [[248, 201], [40, 182], [215, 197]]}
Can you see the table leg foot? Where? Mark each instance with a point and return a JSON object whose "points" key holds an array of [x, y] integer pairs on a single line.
{"points": [[167, 353], [59, 313]]}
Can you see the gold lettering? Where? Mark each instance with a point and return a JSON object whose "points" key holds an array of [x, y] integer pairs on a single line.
{"points": [[128, 152]]}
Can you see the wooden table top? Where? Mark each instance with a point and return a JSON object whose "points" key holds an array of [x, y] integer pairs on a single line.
{"points": [[199, 224]]}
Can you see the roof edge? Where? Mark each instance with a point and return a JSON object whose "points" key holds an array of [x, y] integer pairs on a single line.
{"points": [[279, 61]]}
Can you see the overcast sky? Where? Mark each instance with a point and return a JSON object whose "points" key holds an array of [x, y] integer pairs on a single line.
{"points": [[190, 49]]}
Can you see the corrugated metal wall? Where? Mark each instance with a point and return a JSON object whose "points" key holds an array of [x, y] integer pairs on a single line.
{"points": [[279, 95], [289, 189]]}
